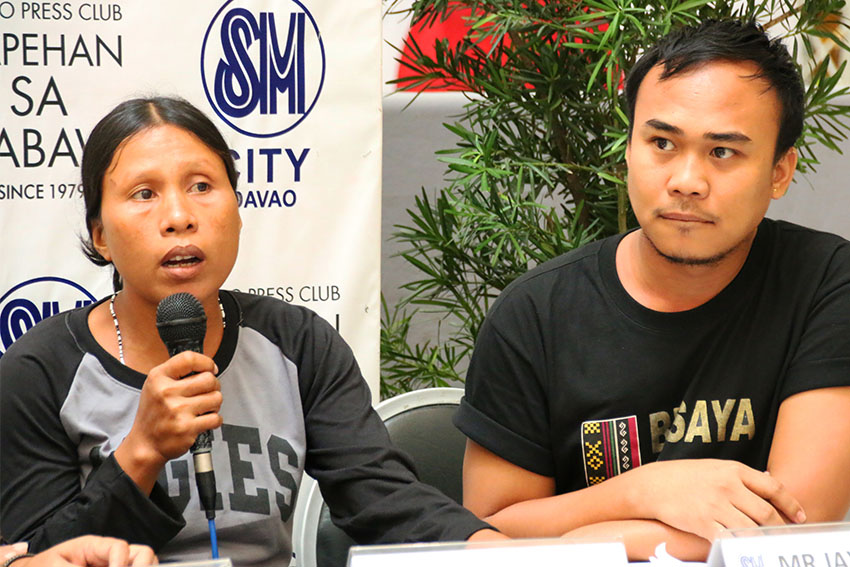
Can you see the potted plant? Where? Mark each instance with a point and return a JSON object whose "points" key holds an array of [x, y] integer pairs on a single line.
{"points": [[539, 168]]}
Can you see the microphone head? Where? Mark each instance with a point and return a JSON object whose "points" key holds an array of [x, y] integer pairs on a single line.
{"points": [[182, 323]]}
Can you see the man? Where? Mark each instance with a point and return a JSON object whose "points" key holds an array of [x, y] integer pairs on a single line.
{"points": [[691, 375]]}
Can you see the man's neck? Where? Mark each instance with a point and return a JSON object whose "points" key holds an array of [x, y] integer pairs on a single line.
{"points": [[660, 284]]}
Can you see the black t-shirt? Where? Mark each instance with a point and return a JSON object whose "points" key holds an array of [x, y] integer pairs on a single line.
{"points": [[572, 378]]}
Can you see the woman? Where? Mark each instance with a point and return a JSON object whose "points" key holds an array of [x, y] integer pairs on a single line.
{"points": [[97, 419]]}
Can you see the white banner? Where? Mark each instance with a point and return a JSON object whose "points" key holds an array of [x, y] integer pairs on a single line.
{"points": [[294, 86]]}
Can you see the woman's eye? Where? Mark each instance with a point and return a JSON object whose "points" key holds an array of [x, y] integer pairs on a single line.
{"points": [[723, 153], [201, 187], [663, 144], [143, 195]]}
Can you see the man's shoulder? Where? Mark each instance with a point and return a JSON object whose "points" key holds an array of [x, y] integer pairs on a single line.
{"points": [[789, 229], [556, 280], [804, 246], [583, 260]]}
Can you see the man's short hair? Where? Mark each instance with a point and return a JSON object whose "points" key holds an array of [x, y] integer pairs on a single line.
{"points": [[728, 40]]}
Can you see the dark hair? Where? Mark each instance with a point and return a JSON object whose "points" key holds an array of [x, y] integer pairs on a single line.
{"points": [[730, 40], [124, 121]]}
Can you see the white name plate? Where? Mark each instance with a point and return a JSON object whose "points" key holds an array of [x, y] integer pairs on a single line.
{"points": [[814, 545], [537, 552], [225, 562]]}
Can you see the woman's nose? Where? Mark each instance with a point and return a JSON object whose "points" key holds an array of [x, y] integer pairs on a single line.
{"points": [[177, 213]]}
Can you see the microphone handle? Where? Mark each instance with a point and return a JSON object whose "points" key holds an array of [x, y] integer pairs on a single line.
{"points": [[177, 346], [204, 473], [202, 447], [204, 441]]}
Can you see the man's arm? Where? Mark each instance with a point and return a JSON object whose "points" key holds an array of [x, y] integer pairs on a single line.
{"points": [[810, 453], [521, 503], [518, 502], [686, 497], [811, 467]]}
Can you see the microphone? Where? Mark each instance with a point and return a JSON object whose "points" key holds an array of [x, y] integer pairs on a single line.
{"points": [[182, 324]]}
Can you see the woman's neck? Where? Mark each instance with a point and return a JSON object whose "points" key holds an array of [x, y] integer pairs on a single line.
{"points": [[136, 322]]}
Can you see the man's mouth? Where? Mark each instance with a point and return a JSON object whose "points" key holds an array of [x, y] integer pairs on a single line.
{"points": [[685, 217]]}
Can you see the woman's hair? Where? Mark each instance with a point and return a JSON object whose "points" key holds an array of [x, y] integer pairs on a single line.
{"points": [[124, 121]]}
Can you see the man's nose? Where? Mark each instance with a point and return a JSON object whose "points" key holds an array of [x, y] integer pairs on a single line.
{"points": [[689, 177]]}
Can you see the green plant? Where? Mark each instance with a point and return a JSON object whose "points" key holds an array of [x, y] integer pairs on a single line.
{"points": [[539, 167]]}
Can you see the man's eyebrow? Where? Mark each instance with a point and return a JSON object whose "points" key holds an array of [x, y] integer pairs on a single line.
{"points": [[715, 136], [663, 126], [727, 137]]}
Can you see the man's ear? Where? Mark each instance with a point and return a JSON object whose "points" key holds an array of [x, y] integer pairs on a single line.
{"points": [[783, 172], [99, 240]]}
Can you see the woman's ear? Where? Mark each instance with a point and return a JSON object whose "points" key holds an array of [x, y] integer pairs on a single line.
{"points": [[99, 240]]}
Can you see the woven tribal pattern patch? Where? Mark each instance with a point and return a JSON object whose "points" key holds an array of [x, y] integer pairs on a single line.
{"points": [[609, 447]]}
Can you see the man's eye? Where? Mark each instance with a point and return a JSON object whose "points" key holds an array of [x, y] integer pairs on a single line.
{"points": [[723, 153], [143, 195], [663, 144], [201, 187]]}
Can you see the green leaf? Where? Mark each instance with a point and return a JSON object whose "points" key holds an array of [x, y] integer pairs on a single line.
{"points": [[688, 5]]}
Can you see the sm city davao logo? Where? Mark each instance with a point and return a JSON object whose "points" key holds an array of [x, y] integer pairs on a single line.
{"points": [[263, 70], [33, 300]]}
